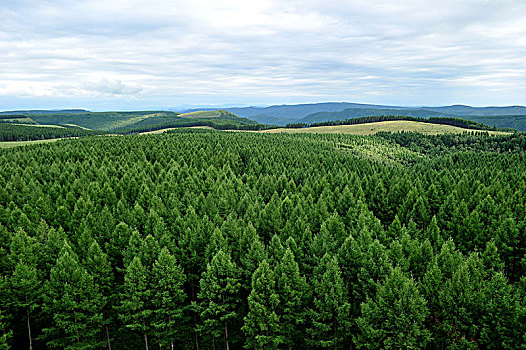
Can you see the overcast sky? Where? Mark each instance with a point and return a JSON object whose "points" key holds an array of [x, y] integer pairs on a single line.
{"points": [[130, 54]]}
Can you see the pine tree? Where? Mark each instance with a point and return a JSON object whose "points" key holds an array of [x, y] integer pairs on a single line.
{"points": [[168, 297], [5, 332], [500, 328], [100, 269], [394, 318], [26, 280], [4, 335], [135, 310], [73, 303], [219, 287], [329, 315], [26, 289], [291, 289], [262, 324]]}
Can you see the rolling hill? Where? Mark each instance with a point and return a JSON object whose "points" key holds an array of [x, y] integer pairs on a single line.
{"points": [[503, 117], [383, 126], [366, 112], [129, 122]]}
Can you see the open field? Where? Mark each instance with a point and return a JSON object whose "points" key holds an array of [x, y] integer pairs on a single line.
{"points": [[160, 131], [8, 144], [203, 114], [387, 126]]}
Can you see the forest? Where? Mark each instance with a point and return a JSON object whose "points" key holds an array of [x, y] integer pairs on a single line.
{"points": [[202, 239], [14, 132], [463, 123]]}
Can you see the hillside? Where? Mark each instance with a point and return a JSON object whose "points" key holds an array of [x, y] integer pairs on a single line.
{"points": [[127, 122], [384, 126], [365, 112], [283, 114], [510, 117], [106, 121], [15, 132], [479, 111]]}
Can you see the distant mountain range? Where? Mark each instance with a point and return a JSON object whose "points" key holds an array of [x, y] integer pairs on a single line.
{"points": [[44, 111], [510, 117], [504, 117]]}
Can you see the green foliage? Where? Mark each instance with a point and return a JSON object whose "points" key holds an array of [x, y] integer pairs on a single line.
{"points": [[72, 302], [168, 297], [262, 324], [5, 333], [10, 132], [394, 319], [292, 290], [136, 310], [166, 232], [219, 287], [329, 315]]}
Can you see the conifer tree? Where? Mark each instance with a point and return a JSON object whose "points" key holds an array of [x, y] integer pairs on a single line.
{"points": [[135, 309], [168, 297], [26, 289], [99, 267], [291, 289], [4, 333], [219, 287], [329, 315], [500, 327], [262, 324], [394, 318], [73, 303]]}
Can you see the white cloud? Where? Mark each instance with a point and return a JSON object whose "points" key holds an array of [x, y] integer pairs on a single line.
{"points": [[203, 51]]}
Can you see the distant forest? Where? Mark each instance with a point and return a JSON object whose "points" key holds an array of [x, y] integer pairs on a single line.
{"points": [[198, 239], [462, 123], [13, 132]]}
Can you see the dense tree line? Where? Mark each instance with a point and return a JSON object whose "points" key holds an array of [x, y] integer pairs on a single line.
{"points": [[218, 124], [12, 132], [197, 239], [463, 123], [450, 143]]}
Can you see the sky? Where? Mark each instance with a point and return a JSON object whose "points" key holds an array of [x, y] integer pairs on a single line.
{"points": [[131, 54]]}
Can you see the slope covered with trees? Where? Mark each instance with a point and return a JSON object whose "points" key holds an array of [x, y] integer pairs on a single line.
{"points": [[10, 132], [203, 239]]}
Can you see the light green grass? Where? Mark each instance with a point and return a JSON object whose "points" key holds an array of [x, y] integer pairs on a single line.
{"points": [[21, 120], [387, 126], [8, 144], [201, 114]]}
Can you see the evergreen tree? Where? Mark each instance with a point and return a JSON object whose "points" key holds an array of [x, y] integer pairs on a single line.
{"points": [[262, 324], [291, 290], [100, 269], [4, 333], [73, 303], [136, 310], [500, 328], [26, 289], [394, 318], [219, 287], [329, 315], [168, 297]]}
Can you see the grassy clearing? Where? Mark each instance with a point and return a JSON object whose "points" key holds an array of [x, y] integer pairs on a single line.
{"points": [[160, 131], [387, 126], [21, 120], [202, 114], [8, 144]]}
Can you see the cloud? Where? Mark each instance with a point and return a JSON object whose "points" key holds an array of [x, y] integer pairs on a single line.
{"points": [[111, 87], [233, 51]]}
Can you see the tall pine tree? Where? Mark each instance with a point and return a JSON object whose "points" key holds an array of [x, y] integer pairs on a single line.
{"points": [[262, 324]]}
